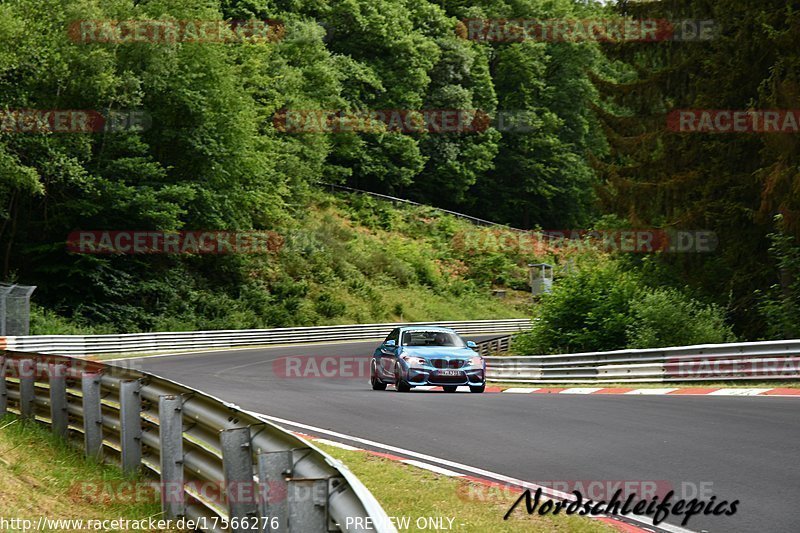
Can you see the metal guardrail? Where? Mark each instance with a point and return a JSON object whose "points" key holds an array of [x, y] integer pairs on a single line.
{"points": [[475, 220], [494, 346], [80, 345], [707, 362], [215, 462]]}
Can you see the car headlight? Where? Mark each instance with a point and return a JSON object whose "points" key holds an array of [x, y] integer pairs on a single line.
{"points": [[414, 361], [476, 361]]}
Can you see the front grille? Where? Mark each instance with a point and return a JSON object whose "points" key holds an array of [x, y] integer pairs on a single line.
{"points": [[444, 363]]}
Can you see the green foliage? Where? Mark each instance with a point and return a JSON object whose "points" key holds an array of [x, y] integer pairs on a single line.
{"points": [[330, 270], [603, 307], [213, 159], [47, 322], [731, 184], [328, 306], [587, 311], [667, 317], [780, 305]]}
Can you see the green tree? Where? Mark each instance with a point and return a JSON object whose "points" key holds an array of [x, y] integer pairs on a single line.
{"points": [[732, 184]]}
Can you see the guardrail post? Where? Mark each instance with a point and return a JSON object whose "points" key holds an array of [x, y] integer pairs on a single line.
{"points": [[170, 424], [3, 389], [308, 504], [92, 415], [58, 399], [130, 421], [27, 372], [237, 466], [273, 469]]}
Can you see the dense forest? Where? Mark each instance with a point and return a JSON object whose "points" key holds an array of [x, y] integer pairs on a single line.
{"points": [[576, 136]]}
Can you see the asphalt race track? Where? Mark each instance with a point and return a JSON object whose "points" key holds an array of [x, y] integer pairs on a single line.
{"points": [[747, 447]]}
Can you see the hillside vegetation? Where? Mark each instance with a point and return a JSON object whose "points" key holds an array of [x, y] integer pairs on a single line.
{"points": [[341, 260], [590, 148]]}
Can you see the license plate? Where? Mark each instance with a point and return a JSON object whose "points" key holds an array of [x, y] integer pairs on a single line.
{"points": [[449, 373]]}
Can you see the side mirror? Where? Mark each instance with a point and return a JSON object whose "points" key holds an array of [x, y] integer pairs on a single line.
{"points": [[390, 343], [471, 344]]}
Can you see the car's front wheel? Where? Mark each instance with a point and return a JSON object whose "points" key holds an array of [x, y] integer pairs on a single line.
{"points": [[377, 384], [399, 383], [477, 389]]}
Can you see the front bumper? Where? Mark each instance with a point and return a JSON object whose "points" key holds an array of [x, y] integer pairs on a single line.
{"points": [[474, 376]]}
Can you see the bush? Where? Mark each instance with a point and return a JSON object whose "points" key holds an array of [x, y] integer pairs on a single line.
{"points": [[780, 305], [604, 307], [666, 317], [360, 260], [46, 322], [587, 311], [328, 306]]}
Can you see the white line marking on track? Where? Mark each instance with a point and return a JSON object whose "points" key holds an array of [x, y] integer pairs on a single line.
{"points": [[481, 472], [520, 390], [652, 391], [738, 392], [432, 468], [338, 445], [581, 390]]}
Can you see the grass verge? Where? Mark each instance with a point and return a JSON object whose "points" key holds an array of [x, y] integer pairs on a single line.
{"points": [[408, 491], [41, 476]]}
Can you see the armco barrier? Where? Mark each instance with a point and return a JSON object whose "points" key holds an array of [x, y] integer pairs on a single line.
{"points": [[496, 345], [80, 345], [194, 443], [394, 199], [707, 362]]}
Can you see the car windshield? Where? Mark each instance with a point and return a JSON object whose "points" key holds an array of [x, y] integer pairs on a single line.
{"points": [[431, 338]]}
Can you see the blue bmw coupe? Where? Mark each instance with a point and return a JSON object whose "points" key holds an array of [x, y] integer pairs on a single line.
{"points": [[425, 355]]}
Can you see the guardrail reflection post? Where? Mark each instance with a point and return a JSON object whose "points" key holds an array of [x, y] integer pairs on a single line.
{"points": [[92, 415], [3, 388], [308, 504], [58, 399], [237, 466], [273, 469], [170, 422], [27, 393], [130, 421]]}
